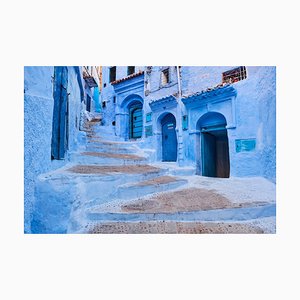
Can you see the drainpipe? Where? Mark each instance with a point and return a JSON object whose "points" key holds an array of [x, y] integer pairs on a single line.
{"points": [[179, 114], [179, 83]]}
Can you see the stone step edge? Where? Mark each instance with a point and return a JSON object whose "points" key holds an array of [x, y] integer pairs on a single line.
{"points": [[139, 186], [230, 214]]}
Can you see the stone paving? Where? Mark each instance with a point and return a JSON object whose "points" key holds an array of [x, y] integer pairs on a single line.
{"points": [[192, 199], [157, 181], [161, 198], [159, 227], [114, 155], [124, 169]]}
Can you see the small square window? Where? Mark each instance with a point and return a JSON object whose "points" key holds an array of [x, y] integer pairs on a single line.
{"points": [[130, 70], [112, 74], [165, 76]]}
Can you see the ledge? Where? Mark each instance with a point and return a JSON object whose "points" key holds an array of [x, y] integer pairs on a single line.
{"points": [[128, 77], [162, 103], [216, 93]]}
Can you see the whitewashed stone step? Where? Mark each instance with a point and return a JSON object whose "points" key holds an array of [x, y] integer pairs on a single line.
{"points": [[142, 188], [98, 147], [73, 188], [231, 214], [109, 159]]}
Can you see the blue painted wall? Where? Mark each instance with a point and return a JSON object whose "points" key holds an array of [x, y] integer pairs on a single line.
{"points": [[250, 112], [108, 93], [38, 114]]}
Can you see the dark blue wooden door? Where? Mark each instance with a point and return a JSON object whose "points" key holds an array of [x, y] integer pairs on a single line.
{"points": [[215, 154], [136, 123], [208, 155], [60, 113], [169, 138]]}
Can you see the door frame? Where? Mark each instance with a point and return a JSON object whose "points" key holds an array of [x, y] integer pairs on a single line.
{"points": [[162, 123], [132, 109]]}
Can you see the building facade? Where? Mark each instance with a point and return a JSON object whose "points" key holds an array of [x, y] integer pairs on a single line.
{"points": [[57, 100], [222, 120]]}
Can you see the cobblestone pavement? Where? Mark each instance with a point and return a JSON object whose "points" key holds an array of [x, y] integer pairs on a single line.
{"points": [[172, 228], [128, 169], [191, 199], [114, 155]]}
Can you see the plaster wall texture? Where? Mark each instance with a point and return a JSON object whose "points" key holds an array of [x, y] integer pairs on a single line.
{"points": [[250, 114], [108, 92], [107, 95], [38, 115], [157, 90], [127, 92]]}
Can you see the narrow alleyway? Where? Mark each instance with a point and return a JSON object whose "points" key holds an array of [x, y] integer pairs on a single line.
{"points": [[111, 187]]}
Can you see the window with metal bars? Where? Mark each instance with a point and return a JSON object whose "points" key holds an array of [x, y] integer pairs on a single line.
{"points": [[234, 75]]}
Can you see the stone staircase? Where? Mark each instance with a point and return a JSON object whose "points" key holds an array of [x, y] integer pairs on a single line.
{"points": [[111, 186], [106, 170]]}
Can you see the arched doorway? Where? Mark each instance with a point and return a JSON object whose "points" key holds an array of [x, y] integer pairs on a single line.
{"points": [[214, 145], [169, 138], [135, 120]]}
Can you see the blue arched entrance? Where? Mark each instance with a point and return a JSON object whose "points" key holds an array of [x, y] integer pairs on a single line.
{"points": [[135, 120], [169, 138], [214, 145], [129, 117]]}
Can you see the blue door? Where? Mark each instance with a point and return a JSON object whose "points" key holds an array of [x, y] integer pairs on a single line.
{"points": [[208, 155], [60, 122], [169, 138], [136, 122]]}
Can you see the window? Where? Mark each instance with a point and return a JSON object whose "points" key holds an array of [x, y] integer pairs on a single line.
{"points": [[112, 74], [165, 76], [103, 104], [130, 70], [234, 75], [114, 99]]}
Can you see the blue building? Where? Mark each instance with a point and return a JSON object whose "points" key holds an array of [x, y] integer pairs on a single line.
{"points": [[57, 101], [218, 121], [222, 120]]}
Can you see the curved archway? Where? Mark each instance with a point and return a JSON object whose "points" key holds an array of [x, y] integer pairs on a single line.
{"points": [[131, 99], [132, 122], [135, 120], [213, 144], [167, 122], [211, 119]]}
